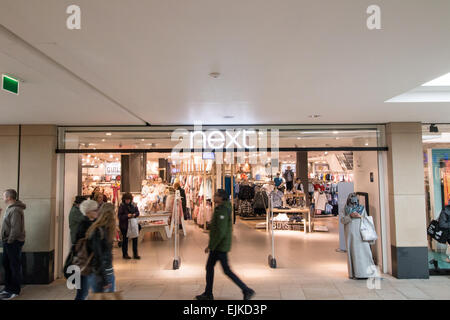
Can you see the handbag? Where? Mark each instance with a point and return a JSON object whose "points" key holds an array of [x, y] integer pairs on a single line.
{"points": [[367, 229], [133, 228], [81, 258], [437, 233]]}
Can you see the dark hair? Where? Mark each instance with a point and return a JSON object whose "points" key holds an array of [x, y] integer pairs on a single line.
{"points": [[79, 199], [11, 193], [223, 194], [127, 196]]}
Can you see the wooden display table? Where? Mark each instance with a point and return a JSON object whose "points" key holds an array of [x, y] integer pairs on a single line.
{"points": [[304, 212], [163, 229], [154, 227]]}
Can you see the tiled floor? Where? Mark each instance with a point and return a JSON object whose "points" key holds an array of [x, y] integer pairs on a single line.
{"points": [[308, 268]]}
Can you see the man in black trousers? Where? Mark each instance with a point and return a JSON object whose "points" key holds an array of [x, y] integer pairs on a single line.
{"points": [[219, 245], [13, 238]]}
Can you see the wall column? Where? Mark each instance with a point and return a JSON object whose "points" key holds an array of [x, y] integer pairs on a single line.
{"points": [[36, 173], [407, 201]]}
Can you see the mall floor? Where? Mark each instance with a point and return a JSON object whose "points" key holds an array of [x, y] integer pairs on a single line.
{"points": [[308, 268]]}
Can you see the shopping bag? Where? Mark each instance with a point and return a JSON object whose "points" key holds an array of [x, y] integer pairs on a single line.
{"points": [[367, 228], [133, 228], [106, 296]]}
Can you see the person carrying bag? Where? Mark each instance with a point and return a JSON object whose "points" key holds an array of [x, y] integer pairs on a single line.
{"points": [[129, 226]]}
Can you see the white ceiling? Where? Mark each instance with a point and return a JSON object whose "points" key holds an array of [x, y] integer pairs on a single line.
{"points": [[280, 60]]}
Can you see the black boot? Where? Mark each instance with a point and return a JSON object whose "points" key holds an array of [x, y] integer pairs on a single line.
{"points": [[249, 294], [205, 296]]}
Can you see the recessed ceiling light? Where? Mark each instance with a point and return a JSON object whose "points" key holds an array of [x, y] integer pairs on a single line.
{"points": [[214, 75], [326, 152], [103, 140], [366, 143], [298, 138], [314, 116], [335, 132], [109, 134], [443, 81], [337, 138], [142, 139]]}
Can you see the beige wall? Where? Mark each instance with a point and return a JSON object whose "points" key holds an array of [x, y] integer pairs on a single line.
{"points": [[9, 142], [406, 185]]}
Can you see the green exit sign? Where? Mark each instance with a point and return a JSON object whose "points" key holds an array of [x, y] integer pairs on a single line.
{"points": [[10, 84]]}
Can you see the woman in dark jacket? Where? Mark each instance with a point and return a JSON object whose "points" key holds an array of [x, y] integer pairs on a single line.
{"points": [[100, 243], [127, 210], [89, 210]]}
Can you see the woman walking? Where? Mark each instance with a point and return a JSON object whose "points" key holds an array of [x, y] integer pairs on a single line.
{"points": [[100, 243], [127, 210]]}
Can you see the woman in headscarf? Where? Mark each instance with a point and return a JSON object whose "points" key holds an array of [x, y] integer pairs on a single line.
{"points": [[360, 261]]}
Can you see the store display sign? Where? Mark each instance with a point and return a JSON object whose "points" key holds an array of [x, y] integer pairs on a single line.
{"points": [[112, 169], [208, 156]]}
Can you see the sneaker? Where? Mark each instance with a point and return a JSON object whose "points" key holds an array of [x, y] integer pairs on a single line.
{"points": [[249, 294], [126, 257], [3, 292], [8, 296], [137, 257], [204, 296]]}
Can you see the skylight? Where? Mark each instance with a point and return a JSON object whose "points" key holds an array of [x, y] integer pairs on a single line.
{"points": [[443, 81]]}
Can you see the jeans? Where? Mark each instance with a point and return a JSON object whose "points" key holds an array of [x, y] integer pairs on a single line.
{"points": [[215, 256], [125, 245], [83, 292], [96, 283], [12, 263]]}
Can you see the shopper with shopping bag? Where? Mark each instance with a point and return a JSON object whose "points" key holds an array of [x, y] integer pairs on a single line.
{"points": [[359, 234], [128, 225]]}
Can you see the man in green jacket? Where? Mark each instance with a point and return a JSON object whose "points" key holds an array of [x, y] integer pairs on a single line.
{"points": [[219, 245]]}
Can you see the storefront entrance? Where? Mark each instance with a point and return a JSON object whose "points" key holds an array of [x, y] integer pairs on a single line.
{"points": [[326, 166]]}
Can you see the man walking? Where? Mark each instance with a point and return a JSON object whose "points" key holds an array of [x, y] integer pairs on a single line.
{"points": [[219, 245], [13, 238]]}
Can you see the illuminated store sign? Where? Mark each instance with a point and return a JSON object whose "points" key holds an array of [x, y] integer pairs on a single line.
{"points": [[216, 139]]}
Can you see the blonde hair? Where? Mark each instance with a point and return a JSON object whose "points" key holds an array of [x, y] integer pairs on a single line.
{"points": [[107, 220], [88, 206]]}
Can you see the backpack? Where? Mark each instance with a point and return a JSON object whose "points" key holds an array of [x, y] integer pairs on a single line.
{"points": [[80, 257], [437, 233]]}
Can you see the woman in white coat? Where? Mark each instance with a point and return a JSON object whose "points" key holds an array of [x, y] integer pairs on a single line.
{"points": [[360, 261]]}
